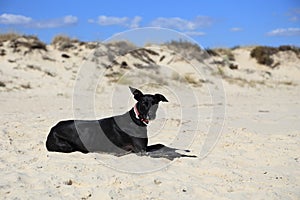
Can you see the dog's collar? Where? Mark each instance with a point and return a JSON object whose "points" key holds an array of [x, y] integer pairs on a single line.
{"points": [[138, 116]]}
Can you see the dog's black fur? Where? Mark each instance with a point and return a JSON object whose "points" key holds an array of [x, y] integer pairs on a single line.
{"points": [[119, 135]]}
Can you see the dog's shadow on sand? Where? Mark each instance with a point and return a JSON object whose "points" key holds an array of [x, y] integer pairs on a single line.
{"points": [[162, 151]]}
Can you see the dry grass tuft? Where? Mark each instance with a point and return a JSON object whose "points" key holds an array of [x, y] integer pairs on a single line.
{"points": [[192, 79], [9, 36], [225, 52], [187, 50], [62, 39], [30, 42], [63, 42], [120, 48]]}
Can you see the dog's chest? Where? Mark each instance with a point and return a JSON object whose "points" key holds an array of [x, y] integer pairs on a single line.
{"points": [[129, 127]]}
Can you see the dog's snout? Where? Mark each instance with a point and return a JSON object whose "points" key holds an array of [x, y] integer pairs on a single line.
{"points": [[151, 115], [152, 112]]}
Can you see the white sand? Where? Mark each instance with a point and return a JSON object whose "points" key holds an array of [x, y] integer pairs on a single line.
{"points": [[256, 156]]}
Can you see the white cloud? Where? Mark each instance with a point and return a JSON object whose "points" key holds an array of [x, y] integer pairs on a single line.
{"points": [[117, 21], [294, 15], [55, 23], [11, 19], [175, 22], [203, 21], [236, 29], [294, 19], [285, 32], [107, 21], [135, 22], [182, 24], [70, 19], [195, 33], [14, 19]]}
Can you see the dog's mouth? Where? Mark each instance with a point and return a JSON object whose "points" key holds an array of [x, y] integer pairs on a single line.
{"points": [[146, 121], [148, 118]]}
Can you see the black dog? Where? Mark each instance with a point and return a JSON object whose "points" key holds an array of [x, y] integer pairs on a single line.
{"points": [[119, 135]]}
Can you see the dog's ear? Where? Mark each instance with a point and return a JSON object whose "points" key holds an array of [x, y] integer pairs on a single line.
{"points": [[137, 94], [160, 97]]}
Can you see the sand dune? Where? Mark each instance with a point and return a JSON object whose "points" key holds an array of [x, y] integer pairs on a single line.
{"points": [[240, 117]]}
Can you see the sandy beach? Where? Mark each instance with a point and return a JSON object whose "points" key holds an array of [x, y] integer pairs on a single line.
{"points": [[240, 118]]}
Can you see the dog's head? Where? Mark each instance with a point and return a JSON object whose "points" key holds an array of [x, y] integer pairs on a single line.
{"points": [[147, 104]]}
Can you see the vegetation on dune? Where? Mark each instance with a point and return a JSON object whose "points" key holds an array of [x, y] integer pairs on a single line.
{"points": [[63, 42], [177, 44], [33, 43], [225, 52], [187, 49], [109, 55], [121, 48], [263, 54], [16, 41], [9, 36], [211, 52], [294, 49], [61, 39]]}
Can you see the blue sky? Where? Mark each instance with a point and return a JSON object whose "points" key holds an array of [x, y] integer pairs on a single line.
{"points": [[212, 23]]}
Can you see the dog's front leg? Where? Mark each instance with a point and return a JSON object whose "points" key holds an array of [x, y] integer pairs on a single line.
{"points": [[139, 145]]}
